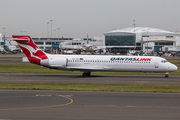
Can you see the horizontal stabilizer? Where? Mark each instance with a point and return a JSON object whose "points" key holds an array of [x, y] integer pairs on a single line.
{"points": [[22, 39]]}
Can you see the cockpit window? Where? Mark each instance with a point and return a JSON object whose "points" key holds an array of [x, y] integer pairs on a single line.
{"points": [[164, 61]]}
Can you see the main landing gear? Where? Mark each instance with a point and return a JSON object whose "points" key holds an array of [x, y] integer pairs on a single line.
{"points": [[86, 74], [167, 74]]}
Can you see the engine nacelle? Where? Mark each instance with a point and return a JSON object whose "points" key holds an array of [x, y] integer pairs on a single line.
{"points": [[58, 62]]}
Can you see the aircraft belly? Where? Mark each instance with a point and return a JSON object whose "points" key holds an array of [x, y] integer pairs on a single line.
{"points": [[127, 67]]}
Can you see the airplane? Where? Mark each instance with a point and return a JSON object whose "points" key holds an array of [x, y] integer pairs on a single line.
{"points": [[10, 48], [71, 47], [1, 49], [86, 47], [90, 63], [78, 44]]}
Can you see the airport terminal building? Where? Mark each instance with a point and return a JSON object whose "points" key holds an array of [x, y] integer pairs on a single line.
{"points": [[121, 41], [142, 39]]}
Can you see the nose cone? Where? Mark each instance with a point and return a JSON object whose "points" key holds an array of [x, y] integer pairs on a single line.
{"points": [[173, 67]]}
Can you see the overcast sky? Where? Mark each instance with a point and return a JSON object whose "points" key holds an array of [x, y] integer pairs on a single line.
{"points": [[77, 18]]}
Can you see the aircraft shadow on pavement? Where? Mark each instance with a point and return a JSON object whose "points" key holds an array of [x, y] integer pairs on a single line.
{"points": [[98, 76]]}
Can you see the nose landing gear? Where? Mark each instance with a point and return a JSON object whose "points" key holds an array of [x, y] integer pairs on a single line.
{"points": [[167, 75], [86, 74]]}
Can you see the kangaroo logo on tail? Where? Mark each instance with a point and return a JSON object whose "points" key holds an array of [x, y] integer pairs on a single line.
{"points": [[30, 49]]}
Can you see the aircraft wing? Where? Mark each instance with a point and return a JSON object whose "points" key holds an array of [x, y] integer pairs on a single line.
{"points": [[93, 68]]}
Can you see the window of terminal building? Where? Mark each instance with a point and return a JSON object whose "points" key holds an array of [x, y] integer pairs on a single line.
{"points": [[120, 40], [145, 36], [163, 43], [39, 43], [148, 47], [138, 44], [138, 48], [48, 48], [169, 36], [48, 43]]}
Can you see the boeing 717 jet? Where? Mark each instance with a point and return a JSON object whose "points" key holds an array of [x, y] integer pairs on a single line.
{"points": [[89, 63]]}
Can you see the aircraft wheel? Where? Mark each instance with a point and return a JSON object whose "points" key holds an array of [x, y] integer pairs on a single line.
{"points": [[89, 73], [166, 75], [86, 74]]}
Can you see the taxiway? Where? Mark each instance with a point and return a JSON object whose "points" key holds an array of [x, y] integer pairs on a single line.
{"points": [[75, 105], [78, 78]]}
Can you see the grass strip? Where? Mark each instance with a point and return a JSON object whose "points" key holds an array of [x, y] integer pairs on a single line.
{"points": [[11, 58], [174, 60], [172, 88]]}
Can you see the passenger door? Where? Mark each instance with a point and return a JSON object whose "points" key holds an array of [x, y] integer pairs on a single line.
{"points": [[156, 64]]}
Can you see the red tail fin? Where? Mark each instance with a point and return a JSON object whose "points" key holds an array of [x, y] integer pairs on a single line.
{"points": [[30, 49]]}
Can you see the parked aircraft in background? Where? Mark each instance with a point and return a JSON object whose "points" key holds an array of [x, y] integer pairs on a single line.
{"points": [[71, 47], [78, 44], [1, 49], [89, 63], [11, 48]]}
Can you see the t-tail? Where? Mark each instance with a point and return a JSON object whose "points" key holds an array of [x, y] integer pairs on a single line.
{"points": [[33, 53], [4, 40]]}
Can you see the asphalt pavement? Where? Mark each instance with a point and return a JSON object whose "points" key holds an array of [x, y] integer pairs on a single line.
{"points": [[78, 78], [86, 105]]}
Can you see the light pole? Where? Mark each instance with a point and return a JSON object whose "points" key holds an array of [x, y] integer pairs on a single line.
{"points": [[4, 34], [51, 36], [47, 30], [4, 30], [135, 35], [147, 41], [134, 26], [58, 32], [54, 33], [51, 28]]}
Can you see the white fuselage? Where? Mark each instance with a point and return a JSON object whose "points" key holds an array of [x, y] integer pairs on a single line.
{"points": [[108, 63]]}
